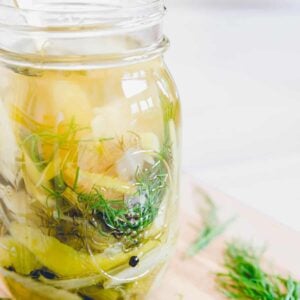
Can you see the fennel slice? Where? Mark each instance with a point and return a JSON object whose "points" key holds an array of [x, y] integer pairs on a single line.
{"points": [[66, 261], [37, 194], [87, 181], [16, 202], [152, 259], [73, 284], [27, 289], [8, 147], [98, 293], [13, 254]]}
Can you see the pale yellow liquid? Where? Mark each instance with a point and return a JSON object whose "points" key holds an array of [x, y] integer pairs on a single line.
{"points": [[73, 133]]}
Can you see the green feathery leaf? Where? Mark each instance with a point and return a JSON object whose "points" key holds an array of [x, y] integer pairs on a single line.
{"points": [[212, 227], [245, 278]]}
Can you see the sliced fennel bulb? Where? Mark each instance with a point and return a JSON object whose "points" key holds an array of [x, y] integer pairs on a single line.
{"points": [[8, 147], [73, 284], [157, 256], [29, 289]]}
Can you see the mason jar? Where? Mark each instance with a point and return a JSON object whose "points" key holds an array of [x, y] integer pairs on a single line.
{"points": [[89, 118]]}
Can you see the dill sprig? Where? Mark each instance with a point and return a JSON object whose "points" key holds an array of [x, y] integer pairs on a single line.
{"points": [[131, 217], [212, 227], [62, 140], [245, 278]]}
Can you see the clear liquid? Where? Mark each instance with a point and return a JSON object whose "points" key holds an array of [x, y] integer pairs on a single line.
{"points": [[88, 180]]}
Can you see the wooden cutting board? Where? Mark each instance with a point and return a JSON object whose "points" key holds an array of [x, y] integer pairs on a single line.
{"points": [[193, 279]]}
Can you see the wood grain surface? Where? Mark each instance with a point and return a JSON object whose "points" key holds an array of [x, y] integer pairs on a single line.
{"points": [[193, 278]]}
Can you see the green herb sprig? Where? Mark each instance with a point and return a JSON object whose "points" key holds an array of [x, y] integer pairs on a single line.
{"points": [[129, 218], [212, 226], [246, 279]]}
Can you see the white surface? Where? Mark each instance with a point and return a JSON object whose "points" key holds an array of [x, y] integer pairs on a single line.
{"points": [[237, 68]]}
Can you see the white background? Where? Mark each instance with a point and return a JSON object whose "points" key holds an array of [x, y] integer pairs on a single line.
{"points": [[237, 67]]}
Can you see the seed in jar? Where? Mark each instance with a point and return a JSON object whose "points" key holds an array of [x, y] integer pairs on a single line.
{"points": [[133, 261]]}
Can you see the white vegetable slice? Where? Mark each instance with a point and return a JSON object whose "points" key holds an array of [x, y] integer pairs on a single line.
{"points": [[150, 141], [72, 284], [17, 202], [157, 256], [29, 289], [71, 101], [8, 147], [111, 120], [131, 161]]}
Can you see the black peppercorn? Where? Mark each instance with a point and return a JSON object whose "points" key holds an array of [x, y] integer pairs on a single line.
{"points": [[84, 297], [133, 261], [47, 274], [35, 274]]}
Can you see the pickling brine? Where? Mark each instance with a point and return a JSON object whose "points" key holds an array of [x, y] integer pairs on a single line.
{"points": [[89, 167], [89, 119]]}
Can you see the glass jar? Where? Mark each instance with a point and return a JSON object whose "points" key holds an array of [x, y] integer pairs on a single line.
{"points": [[89, 120]]}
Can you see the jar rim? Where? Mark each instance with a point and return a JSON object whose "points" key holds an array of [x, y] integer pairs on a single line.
{"points": [[55, 6], [79, 15], [55, 38]]}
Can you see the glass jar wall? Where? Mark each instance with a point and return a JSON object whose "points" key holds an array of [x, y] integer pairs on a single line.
{"points": [[88, 166]]}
